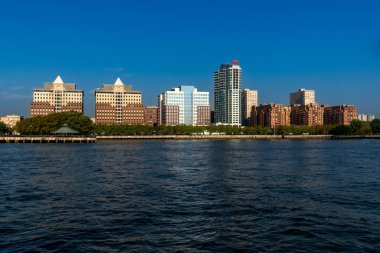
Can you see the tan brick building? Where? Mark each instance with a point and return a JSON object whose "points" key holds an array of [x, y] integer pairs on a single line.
{"points": [[11, 120], [270, 115], [56, 97], [302, 97], [339, 115], [249, 99], [118, 104], [306, 115]]}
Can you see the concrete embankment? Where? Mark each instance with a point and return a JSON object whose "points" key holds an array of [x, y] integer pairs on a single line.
{"points": [[46, 139], [67, 139], [354, 137], [215, 137]]}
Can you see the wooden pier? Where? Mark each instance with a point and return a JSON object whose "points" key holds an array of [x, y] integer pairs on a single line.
{"points": [[46, 139]]}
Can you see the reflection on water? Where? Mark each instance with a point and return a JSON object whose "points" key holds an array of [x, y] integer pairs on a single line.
{"points": [[204, 195]]}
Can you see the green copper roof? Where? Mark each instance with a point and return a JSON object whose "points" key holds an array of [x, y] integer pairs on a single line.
{"points": [[65, 130]]}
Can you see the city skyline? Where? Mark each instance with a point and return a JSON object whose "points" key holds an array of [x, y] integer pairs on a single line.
{"points": [[118, 82], [338, 56]]}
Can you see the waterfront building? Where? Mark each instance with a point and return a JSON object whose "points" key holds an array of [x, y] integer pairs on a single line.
{"points": [[133, 114], [118, 104], [306, 115], [56, 97], [11, 120], [249, 99], [184, 105], [151, 115], [339, 115], [227, 94], [270, 115], [365, 117], [302, 97], [212, 116]]}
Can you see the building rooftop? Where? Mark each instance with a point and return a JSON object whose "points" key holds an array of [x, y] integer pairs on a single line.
{"points": [[118, 83], [50, 86]]}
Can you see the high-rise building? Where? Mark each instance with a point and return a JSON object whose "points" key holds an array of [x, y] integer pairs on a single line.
{"points": [[118, 104], [306, 115], [192, 107], [170, 107], [249, 99], [56, 97], [227, 94], [339, 115], [302, 97], [270, 115]]}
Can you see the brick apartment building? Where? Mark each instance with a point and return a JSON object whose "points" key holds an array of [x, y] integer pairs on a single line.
{"points": [[151, 115], [306, 115], [339, 115], [270, 115]]}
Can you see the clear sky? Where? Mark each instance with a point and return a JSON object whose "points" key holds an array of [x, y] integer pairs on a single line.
{"points": [[330, 46]]}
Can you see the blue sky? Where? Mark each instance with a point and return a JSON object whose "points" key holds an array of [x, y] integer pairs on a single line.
{"points": [[330, 46]]}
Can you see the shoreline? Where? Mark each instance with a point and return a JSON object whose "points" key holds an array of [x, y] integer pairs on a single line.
{"points": [[211, 137], [81, 139]]}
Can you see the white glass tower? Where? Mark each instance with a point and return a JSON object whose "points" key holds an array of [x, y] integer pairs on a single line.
{"points": [[227, 91], [185, 103]]}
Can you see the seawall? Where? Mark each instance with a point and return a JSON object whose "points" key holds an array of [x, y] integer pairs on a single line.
{"points": [[66, 139], [215, 137]]}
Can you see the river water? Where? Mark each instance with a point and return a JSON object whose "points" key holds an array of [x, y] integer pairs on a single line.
{"points": [[191, 196]]}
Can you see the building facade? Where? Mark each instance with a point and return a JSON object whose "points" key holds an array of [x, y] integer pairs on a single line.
{"points": [[170, 115], [192, 107], [11, 120], [56, 97], [118, 104], [151, 115], [249, 99], [133, 114], [302, 97], [339, 115], [227, 94], [365, 117], [306, 115], [270, 115]]}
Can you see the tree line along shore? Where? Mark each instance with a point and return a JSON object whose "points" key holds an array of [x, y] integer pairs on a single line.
{"points": [[44, 125]]}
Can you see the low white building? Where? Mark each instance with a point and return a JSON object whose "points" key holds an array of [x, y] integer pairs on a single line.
{"points": [[11, 120], [365, 117]]}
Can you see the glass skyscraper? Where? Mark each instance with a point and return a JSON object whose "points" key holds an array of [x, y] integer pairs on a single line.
{"points": [[191, 105], [227, 92]]}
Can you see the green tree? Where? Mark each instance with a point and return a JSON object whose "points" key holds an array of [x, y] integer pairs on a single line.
{"points": [[4, 129], [356, 126], [375, 126], [51, 122], [341, 130]]}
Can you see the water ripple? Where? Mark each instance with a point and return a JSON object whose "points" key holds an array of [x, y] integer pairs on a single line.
{"points": [[191, 196]]}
